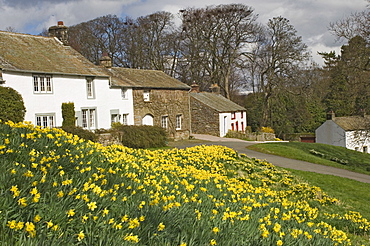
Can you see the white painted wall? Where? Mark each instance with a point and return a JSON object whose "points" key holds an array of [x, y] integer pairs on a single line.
{"points": [[226, 122], [330, 133], [358, 140], [68, 88]]}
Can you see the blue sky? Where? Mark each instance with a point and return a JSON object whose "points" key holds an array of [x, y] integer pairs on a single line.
{"points": [[311, 18]]}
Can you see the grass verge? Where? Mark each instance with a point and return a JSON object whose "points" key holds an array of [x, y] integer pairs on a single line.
{"points": [[322, 154]]}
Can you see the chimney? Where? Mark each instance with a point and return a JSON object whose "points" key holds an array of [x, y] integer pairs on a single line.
{"points": [[194, 88], [330, 115], [215, 89], [105, 61], [59, 31]]}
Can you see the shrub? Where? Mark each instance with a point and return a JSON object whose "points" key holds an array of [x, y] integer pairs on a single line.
{"points": [[141, 137], [11, 105], [267, 129], [68, 114], [82, 133]]}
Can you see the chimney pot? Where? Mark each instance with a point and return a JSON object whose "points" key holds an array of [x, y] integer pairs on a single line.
{"points": [[215, 89], [194, 87]]}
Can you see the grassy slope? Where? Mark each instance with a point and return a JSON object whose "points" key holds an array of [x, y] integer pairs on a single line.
{"points": [[357, 161]]}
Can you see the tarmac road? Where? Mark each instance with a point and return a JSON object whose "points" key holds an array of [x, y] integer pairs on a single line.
{"points": [[240, 147]]}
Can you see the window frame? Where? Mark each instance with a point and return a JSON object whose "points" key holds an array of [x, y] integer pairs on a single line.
{"points": [[42, 84], [88, 118], [124, 93], [164, 121], [45, 120], [125, 119], [146, 95], [178, 121], [90, 88]]}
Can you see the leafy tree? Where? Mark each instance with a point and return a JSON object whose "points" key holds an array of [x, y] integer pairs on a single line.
{"points": [[11, 105], [349, 73]]}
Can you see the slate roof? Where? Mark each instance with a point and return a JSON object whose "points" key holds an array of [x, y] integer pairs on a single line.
{"points": [[38, 54], [140, 78], [352, 123], [217, 102]]}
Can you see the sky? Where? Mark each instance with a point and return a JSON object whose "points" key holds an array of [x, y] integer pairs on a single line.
{"points": [[311, 18]]}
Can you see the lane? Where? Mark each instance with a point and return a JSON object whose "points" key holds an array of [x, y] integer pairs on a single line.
{"points": [[240, 147]]}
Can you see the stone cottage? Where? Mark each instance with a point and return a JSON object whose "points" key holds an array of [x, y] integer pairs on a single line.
{"points": [[158, 99], [213, 114]]}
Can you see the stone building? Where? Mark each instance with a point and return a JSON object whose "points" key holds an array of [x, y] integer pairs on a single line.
{"points": [[158, 99], [213, 114]]}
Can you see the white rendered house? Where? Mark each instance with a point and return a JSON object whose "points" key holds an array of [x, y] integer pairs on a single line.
{"points": [[47, 73], [350, 132]]}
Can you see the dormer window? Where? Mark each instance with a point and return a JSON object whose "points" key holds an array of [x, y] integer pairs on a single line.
{"points": [[42, 84], [146, 96]]}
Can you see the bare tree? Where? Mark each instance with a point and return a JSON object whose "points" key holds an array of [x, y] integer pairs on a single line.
{"points": [[98, 36], [357, 24], [277, 58], [214, 38], [149, 42], [10, 29]]}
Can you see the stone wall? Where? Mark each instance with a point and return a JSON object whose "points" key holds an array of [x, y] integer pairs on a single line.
{"points": [[164, 102], [204, 120]]}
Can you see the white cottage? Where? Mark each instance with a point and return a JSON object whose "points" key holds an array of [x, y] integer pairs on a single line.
{"points": [[350, 132], [213, 114], [47, 73]]}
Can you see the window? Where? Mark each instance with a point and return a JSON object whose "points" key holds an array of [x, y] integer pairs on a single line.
{"points": [[242, 126], [45, 120], [364, 149], [42, 84], [90, 87], [124, 93], [125, 119], [165, 122], [178, 121], [241, 115], [88, 118], [232, 126], [233, 116], [146, 96], [114, 118], [237, 126]]}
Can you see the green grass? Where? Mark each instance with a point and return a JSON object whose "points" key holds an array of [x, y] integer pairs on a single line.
{"points": [[357, 161]]}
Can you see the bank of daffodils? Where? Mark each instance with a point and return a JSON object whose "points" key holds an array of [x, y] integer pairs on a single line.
{"points": [[57, 189]]}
